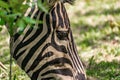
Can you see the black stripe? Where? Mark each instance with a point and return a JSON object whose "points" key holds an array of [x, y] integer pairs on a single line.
{"points": [[65, 72], [17, 56], [65, 16], [37, 33], [31, 28], [60, 48], [48, 78], [71, 54], [70, 48], [71, 57], [34, 48], [18, 34], [32, 10], [28, 32], [39, 58], [36, 15], [56, 61], [54, 19], [60, 20], [75, 51]]}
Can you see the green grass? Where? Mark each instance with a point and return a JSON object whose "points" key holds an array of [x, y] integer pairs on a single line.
{"points": [[104, 70], [96, 35], [99, 36]]}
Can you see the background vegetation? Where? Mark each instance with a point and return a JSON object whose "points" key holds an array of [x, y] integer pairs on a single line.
{"points": [[96, 30]]}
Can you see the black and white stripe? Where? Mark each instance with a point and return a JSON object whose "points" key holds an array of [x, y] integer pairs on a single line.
{"points": [[46, 51]]}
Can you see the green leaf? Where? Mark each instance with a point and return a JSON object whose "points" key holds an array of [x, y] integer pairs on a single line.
{"points": [[3, 12], [2, 22], [3, 4], [17, 6], [23, 8], [29, 20], [43, 6], [21, 25]]}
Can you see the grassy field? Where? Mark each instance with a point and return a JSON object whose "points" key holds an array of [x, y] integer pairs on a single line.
{"points": [[96, 30]]}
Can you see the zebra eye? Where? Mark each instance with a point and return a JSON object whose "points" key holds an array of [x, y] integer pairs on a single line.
{"points": [[62, 35]]}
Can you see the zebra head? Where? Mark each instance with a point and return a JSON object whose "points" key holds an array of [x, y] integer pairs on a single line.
{"points": [[46, 51]]}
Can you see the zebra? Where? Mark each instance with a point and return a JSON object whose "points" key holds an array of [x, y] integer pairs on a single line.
{"points": [[46, 51]]}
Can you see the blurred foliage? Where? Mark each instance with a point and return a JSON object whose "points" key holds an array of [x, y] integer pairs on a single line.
{"points": [[97, 23], [12, 14]]}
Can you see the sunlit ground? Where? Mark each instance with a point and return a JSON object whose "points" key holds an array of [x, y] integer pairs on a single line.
{"points": [[96, 30]]}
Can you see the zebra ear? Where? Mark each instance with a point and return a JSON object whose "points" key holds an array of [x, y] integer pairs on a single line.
{"points": [[69, 1]]}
